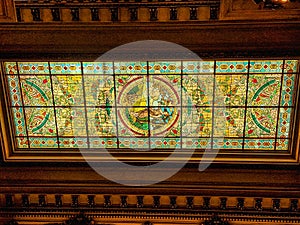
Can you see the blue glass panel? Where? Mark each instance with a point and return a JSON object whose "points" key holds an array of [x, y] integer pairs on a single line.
{"points": [[268, 66], [65, 67], [98, 68], [165, 67], [130, 67], [259, 144], [33, 68], [231, 66], [198, 67]]}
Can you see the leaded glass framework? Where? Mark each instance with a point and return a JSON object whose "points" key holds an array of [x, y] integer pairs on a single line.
{"points": [[63, 106]]}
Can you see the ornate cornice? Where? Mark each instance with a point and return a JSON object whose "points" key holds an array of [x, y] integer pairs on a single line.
{"points": [[102, 11], [112, 208]]}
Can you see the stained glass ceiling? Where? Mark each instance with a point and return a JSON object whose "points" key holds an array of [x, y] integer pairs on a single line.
{"points": [[152, 105]]}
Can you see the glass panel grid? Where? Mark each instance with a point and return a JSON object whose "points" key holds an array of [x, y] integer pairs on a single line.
{"points": [[160, 105]]}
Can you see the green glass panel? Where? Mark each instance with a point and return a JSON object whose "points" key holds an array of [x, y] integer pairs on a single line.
{"points": [[103, 142], [284, 122], [73, 142], [134, 143], [259, 144], [165, 143], [234, 126], [264, 89], [164, 90], [99, 90], [14, 89], [290, 66], [97, 68], [65, 67], [287, 93], [71, 121], [11, 67], [231, 90], [40, 121], [43, 142], [101, 121], [165, 67], [282, 144], [22, 142], [33, 68], [261, 122], [198, 67], [130, 67], [68, 90], [196, 122], [19, 121], [269, 66], [133, 121], [197, 90], [196, 143], [231, 66], [36, 90]]}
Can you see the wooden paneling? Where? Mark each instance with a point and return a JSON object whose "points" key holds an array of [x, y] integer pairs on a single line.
{"points": [[7, 11], [249, 10], [213, 40]]}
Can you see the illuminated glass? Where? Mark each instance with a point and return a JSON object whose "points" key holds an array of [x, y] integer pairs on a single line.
{"points": [[157, 104]]}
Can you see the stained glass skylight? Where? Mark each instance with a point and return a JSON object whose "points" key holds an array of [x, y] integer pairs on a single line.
{"points": [[145, 105]]}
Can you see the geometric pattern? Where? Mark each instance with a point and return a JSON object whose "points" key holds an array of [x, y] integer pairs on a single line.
{"points": [[152, 105]]}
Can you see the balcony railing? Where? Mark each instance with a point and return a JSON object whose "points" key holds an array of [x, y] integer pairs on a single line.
{"points": [[116, 10]]}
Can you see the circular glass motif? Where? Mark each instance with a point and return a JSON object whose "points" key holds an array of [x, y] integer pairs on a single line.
{"points": [[148, 104]]}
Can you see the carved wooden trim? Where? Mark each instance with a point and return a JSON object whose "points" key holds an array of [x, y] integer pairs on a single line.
{"points": [[255, 12], [218, 40], [112, 10], [97, 216], [7, 11]]}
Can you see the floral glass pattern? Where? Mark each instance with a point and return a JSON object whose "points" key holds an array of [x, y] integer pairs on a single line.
{"points": [[152, 105]]}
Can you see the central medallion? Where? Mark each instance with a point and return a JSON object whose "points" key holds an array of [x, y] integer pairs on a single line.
{"points": [[148, 105]]}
